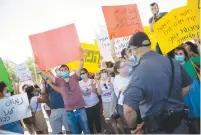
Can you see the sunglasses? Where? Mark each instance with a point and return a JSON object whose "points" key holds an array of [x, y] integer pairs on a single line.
{"points": [[105, 86]]}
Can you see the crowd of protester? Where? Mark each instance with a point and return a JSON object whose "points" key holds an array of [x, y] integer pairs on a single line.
{"points": [[124, 93]]}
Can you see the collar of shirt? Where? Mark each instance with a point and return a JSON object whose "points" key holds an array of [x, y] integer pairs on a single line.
{"points": [[147, 55]]}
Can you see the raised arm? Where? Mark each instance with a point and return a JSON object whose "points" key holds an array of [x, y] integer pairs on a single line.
{"points": [[114, 56], [57, 89], [48, 75], [80, 67]]}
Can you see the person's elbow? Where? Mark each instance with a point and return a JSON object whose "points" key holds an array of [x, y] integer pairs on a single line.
{"points": [[128, 111], [185, 90]]}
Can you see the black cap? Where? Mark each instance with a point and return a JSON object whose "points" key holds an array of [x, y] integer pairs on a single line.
{"points": [[139, 39]]}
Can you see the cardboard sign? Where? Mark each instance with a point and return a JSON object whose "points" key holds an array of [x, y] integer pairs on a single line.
{"points": [[104, 45], [151, 37], [14, 108], [194, 3], [122, 20], [55, 47], [91, 58], [120, 44], [179, 25], [4, 76], [23, 72]]}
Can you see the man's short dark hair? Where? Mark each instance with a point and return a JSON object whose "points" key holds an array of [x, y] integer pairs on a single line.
{"points": [[154, 3], [64, 66], [2, 86]]}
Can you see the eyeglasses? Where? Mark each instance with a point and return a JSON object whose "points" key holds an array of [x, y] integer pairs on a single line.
{"points": [[105, 86]]}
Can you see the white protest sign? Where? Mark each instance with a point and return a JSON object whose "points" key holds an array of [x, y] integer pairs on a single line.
{"points": [[104, 47], [14, 108], [23, 72], [120, 44], [104, 44]]}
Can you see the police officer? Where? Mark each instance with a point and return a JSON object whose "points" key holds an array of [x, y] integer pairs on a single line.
{"points": [[156, 88]]}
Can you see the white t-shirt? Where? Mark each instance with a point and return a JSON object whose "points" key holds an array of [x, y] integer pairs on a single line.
{"points": [[90, 97], [119, 83], [33, 104], [106, 91]]}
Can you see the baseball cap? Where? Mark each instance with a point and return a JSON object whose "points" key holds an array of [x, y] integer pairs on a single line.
{"points": [[139, 39]]}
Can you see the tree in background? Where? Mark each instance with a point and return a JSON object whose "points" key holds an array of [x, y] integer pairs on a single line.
{"points": [[11, 70], [32, 68], [30, 63]]}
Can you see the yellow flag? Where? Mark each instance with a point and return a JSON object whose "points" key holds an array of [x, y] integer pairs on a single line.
{"points": [[178, 26], [91, 58]]}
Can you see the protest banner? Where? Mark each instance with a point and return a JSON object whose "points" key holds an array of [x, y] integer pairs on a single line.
{"points": [[123, 20], [14, 108], [179, 25], [193, 3], [4, 76], [151, 37], [104, 45], [55, 47], [23, 72], [91, 58], [120, 44]]}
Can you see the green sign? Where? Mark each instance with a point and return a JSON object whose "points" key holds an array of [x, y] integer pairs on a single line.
{"points": [[4, 76]]}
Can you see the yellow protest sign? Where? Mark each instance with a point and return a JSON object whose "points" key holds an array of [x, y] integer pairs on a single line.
{"points": [[179, 25], [91, 59], [151, 37], [193, 3]]}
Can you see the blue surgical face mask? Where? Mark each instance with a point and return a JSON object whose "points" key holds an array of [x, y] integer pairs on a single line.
{"points": [[65, 75], [7, 94], [83, 76], [58, 74], [36, 93], [179, 58]]}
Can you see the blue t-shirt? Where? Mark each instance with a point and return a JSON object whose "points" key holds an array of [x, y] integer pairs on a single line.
{"points": [[56, 100], [14, 127]]}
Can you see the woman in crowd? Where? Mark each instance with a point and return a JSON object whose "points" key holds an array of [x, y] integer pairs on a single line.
{"points": [[37, 118], [192, 100], [191, 48], [88, 87], [105, 90], [121, 81], [13, 126]]}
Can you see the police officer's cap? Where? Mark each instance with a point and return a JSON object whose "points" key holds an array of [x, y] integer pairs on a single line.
{"points": [[139, 39]]}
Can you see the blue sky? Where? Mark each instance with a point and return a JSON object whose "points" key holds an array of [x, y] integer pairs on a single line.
{"points": [[20, 18]]}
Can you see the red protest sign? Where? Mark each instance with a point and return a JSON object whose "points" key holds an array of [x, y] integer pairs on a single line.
{"points": [[56, 47], [122, 20]]}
